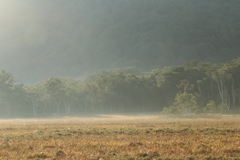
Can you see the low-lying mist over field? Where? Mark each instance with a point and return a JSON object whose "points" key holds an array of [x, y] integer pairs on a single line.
{"points": [[86, 119]]}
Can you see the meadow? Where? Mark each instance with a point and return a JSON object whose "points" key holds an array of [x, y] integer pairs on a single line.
{"points": [[112, 137]]}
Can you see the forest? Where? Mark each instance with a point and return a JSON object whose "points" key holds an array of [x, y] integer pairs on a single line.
{"points": [[193, 87], [184, 56]]}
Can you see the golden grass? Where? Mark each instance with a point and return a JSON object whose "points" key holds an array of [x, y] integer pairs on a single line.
{"points": [[120, 137]]}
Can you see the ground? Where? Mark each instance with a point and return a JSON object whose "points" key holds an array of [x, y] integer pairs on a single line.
{"points": [[109, 137]]}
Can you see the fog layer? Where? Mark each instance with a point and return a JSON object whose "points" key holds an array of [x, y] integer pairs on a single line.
{"points": [[43, 38]]}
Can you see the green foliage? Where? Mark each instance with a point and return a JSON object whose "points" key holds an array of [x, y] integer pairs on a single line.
{"points": [[172, 110], [184, 105], [210, 107], [188, 89], [185, 85]]}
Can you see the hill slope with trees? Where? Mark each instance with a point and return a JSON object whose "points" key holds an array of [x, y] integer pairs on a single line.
{"points": [[74, 38]]}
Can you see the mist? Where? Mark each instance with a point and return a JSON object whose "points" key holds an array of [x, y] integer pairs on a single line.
{"points": [[119, 79], [68, 58], [59, 38]]}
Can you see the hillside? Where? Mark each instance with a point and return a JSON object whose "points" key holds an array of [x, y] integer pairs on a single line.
{"points": [[62, 38]]}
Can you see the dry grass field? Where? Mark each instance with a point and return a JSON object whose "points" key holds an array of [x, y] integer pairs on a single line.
{"points": [[120, 137]]}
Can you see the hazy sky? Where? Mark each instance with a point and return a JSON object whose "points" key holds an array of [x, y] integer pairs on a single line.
{"points": [[20, 32], [27, 30]]}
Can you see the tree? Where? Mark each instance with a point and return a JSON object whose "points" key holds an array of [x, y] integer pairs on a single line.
{"points": [[6, 87], [185, 85], [221, 77], [35, 95], [54, 87], [210, 107], [185, 104], [222, 107]]}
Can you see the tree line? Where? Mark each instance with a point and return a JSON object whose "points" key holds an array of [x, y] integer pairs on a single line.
{"points": [[191, 87]]}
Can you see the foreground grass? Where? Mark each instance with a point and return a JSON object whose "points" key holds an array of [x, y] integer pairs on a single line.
{"points": [[120, 137]]}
